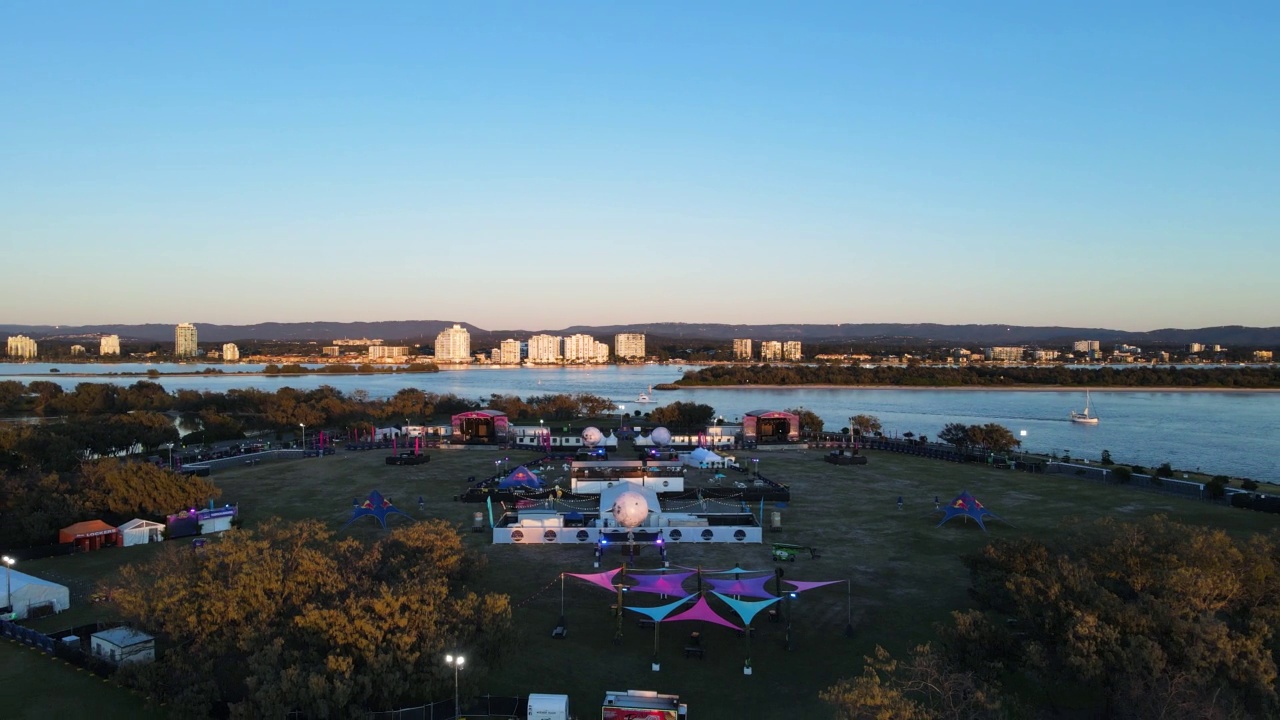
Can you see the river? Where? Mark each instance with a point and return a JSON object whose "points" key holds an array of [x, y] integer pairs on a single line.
{"points": [[1233, 433]]}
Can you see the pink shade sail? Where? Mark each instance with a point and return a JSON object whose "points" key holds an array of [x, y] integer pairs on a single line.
{"points": [[702, 611], [801, 586], [751, 587], [604, 579], [661, 584]]}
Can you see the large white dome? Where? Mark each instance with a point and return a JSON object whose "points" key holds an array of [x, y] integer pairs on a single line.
{"points": [[660, 436], [630, 509], [592, 436]]}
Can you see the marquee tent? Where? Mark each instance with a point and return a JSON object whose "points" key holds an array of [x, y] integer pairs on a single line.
{"points": [[376, 506], [967, 506], [702, 457], [30, 592], [521, 477], [139, 532], [87, 535]]}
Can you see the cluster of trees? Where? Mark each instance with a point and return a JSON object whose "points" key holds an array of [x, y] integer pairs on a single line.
{"points": [[33, 506], [683, 415], [991, 436], [1141, 376], [1153, 619], [286, 618], [553, 407]]}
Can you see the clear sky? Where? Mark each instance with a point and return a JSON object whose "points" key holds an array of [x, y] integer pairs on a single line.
{"points": [[541, 164]]}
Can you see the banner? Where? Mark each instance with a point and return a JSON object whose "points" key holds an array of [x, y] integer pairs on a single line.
{"points": [[488, 502]]}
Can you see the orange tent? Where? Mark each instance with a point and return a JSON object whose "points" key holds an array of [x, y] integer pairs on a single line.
{"points": [[87, 535]]}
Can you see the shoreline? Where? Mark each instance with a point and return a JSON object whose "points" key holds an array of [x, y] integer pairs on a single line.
{"points": [[973, 388]]}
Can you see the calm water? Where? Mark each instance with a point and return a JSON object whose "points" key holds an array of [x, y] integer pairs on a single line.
{"points": [[1231, 433]]}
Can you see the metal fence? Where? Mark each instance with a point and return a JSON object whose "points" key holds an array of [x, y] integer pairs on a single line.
{"points": [[488, 706], [247, 459]]}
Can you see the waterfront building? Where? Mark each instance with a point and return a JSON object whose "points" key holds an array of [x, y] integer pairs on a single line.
{"points": [[579, 348], [453, 345], [602, 353], [77, 350], [1195, 347], [358, 343], [109, 345], [770, 351], [1006, 353], [508, 352], [1086, 346], [230, 352], [628, 345], [1262, 356], [388, 353], [1044, 355], [21, 346], [184, 341], [742, 348], [331, 351], [545, 349], [791, 351]]}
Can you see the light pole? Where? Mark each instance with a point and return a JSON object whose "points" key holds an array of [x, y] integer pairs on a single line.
{"points": [[304, 438], [622, 411], [456, 662], [8, 586], [1023, 446], [170, 455]]}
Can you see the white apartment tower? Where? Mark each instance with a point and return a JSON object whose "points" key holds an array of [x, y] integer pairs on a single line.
{"points": [[109, 345], [742, 349], [509, 352], [1084, 346], [770, 351], [602, 352], [77, 349], [579, 348], [791, 351], [453, 345], [230, 353], [1006, 353], [628, 345], [21, 346], [544, 349], [184, 340]]}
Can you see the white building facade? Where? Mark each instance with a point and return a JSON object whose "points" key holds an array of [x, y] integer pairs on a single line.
{"points": [[509, 352], [742, 349], [791, 351], [109, 345], [184, 340], [23, 347], [453, 345], [628, 345], [545, 349], [770, 351]]}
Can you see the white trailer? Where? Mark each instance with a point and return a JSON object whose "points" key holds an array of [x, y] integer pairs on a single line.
{"points": [[548, 707]]}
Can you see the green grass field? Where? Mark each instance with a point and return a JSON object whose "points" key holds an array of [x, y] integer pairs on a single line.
{"points": [[906, 574]]}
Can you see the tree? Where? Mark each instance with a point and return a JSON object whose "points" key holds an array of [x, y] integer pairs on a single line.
{"points": [[136, 488], [1106, 458], [924, 687], [955, 434], [286, 618], [809, 420], [1165, 470], [686, 415], [865, 424]]}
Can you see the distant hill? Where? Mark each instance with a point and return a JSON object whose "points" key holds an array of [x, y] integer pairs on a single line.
{"points": [[886, 333]]}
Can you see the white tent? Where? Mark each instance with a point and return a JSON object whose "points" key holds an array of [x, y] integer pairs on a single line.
{"points": [[32, 592], [702, 457], [139, 532], [643, 441]]}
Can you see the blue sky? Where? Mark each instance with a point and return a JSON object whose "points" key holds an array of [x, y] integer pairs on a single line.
{"points": [[536, 165]]}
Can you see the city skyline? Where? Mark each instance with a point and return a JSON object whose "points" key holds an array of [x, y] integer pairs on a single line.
{"points": [[1090, 165]]}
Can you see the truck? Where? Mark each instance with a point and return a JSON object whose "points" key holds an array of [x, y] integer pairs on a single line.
{"points": [[642, 705], [543, 706]]}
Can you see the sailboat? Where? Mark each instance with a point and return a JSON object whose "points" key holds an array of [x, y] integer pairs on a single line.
{"points": [[1087, 417], [646, 398]]}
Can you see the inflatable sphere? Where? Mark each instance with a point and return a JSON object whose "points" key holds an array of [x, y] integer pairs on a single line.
{"points": [[591, 437], [660, 436], [630, 509]]}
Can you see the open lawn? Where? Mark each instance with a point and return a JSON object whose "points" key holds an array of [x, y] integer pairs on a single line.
{"points": [[906, 574], [36, 686]]}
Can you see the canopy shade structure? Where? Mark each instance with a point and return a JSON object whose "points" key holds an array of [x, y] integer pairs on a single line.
{"points": [[967, 506], [670, 584], [30, 592], [801, 585], [702, 611], [377, 507], [734, 570], [521, 477], [604, 579], [702, 456], [87, 535], [662, 611], [751, 587], [747, 609]]}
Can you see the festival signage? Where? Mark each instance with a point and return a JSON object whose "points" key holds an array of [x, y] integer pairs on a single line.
{"points": [[613, 712]]}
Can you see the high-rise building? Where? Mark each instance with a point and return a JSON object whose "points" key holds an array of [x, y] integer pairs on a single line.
{"points": [[545, 349], [628, 345], [602, 353], [508, 352], [742, 349], [770, 351], [791, 351], [109, 345], [1195, 347], [1262, 356], [184, 341], [388, 352], [77, 349], [21, 346], [453, 345], [230, 353], [1004, 353], [579, 348], [1085, 346], [331, 351]]}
